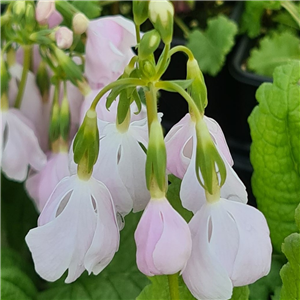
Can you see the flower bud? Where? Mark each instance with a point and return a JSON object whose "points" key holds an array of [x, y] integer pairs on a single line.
{"points": [[197, 89], [43, 80], [44, 10], [149, 43], [161, 15], [19, 8], [80, 23], [30, 17], [86, 142], [140, 11], [64, 37], [147, 68], [54, 129]]}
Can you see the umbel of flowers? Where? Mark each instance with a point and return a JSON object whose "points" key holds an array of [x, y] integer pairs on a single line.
{"points": [[96, 152]]}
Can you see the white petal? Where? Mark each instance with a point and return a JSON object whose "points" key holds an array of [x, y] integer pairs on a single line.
{"points": [[205, 277], [106, 239], [253, 259]]}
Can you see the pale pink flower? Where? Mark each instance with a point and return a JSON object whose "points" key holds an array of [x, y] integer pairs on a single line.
{"points": [[64, 37], [44, 10], [77, 230], [163, 240], [231, 247], [181, 160], [55, 19], [40, 185], [20, 146], [108, 49]]}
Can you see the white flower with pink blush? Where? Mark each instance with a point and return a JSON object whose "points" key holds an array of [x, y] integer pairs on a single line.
{"points": [[163, 240], [45, 13], [20, 146], [181, 160], [108, 49], [77, 230], [231, 247]]}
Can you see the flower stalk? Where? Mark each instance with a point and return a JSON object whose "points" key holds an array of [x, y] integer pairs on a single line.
{"points": [[173, 286]]}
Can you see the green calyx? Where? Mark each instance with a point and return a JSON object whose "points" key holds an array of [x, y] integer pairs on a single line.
{"points": [[197, 89], [149, 43], [156, 159], [4, 76], [208, 160], [64, 119], [140, 11], [43, 80], [86, 143]]}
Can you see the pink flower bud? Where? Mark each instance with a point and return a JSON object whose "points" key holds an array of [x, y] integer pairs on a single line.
{"points": [[64, 37], [44, 10], [163, 240]]}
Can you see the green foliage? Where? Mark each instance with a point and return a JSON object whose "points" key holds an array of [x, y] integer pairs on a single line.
{"points": [[174, 199], [268, 286], [274, 51], [275, 131], [15, 283], [290, 273], [91, 9], [240, 293], [159, 289], [120, 280], [212, 45], [251, 18]]}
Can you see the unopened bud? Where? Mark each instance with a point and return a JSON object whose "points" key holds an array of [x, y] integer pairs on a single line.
{"points": [[80, 23], [19, 8], [161, 15], [147, 68], [64, 37], [30, 17], [197, 89], [149, 43], [140, 11], [44, 10], [43, 81]]}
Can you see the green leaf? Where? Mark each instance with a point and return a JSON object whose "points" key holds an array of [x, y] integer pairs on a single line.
{"points": [[174, 199], [16, 285], [159, 289], [91, 9], [290, 272], [120, 280], [267, 286], [274, 51], [240, 293], [275, 131], [211, 46]]}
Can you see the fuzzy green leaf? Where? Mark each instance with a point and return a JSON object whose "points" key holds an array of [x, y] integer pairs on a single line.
{"points": [[159, 289], [274, 51], [212, 45], [120, 280], [240, 293], [290, 273], [275, 131]]}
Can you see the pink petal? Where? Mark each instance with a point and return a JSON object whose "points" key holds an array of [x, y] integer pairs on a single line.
{"points": [[176, 140], [204, 276], [106, 239], [255, 249], [55, 19]]}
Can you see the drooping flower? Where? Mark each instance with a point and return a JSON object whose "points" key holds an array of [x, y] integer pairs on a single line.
{"points": [[77, 230], [163, 240], [108, 49], [40, 185], [231, 247], [181, 159], [20, 145]]}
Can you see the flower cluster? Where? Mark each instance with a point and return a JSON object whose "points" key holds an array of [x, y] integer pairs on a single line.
{"points": [[92, 164]]}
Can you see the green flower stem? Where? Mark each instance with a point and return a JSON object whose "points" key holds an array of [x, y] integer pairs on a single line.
{"points": [[138, 35], [125, 81], [292, 9], [182, 26], [183, 49], [163, 62], [151, 103], [173, 286], [183, 93], [26, 65]]}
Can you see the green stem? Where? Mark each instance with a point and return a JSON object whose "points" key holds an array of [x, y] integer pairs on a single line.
{"points": [[151, 103], [292, 9], [172, 86], [138, 35], [161, 67], [26, 65], [183, 49], [182, 26], [173, 286], [125, 81]]}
